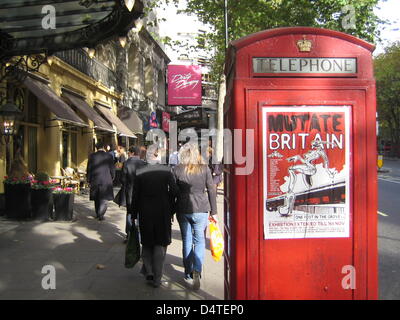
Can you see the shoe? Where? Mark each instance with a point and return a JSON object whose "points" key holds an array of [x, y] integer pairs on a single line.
{"points": [[101, 218], [150, 279], [156, 284], [188, 281], [196, 280]]}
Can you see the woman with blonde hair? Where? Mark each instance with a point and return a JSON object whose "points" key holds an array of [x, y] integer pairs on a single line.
{"points": [[196, 198]]}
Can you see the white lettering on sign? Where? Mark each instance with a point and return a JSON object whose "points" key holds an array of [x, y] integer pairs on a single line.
{"points": [[305, 65]]}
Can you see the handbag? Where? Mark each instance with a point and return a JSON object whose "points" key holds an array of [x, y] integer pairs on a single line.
{"points": [[216, 241], [132, 250], [120, 198]]}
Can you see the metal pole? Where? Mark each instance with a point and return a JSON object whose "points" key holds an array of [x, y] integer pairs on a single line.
{"points": [[226, 22]]}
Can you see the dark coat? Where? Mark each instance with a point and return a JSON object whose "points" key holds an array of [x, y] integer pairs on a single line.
{"points": [[128, 179], [155, 191], [197, 192], [100, 174], [216, 171]]}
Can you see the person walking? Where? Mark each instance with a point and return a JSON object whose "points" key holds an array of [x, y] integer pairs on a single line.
{"points": [[174, 157], [111, 150], [122, 156], [131, 165], [119, 163], [142, 153], [196, 198], [100, 174], [154, 194], [217, 168]]}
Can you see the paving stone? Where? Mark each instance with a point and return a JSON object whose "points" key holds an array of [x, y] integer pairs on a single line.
{"points": [[76, 248]]}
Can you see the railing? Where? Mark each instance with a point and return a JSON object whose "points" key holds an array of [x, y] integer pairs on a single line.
{"points": [[79, 59]]}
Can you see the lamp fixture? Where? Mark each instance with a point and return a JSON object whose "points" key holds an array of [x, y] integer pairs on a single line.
{"points": [[50, 60], [9, 113], [122, 41], [91, 53], [130, 4], [138, 25]]}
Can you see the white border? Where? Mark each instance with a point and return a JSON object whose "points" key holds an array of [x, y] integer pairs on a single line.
{"points": [[306, 108]]}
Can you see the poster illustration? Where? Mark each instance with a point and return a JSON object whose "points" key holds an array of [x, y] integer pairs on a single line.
{"points": [[306, 179]]}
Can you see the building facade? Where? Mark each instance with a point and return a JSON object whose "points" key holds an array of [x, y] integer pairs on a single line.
{"points": [[76, 100]]}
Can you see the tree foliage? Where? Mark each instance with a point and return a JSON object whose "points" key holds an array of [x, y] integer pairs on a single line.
{"points": [[249, 16], [387, 74]]}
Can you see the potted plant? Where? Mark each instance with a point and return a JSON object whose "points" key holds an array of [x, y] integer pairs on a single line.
{"points": [[42, 196], [63, 199], [17, 192]]}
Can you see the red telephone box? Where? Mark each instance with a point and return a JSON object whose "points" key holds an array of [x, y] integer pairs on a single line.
{"points": [[301, 220]]}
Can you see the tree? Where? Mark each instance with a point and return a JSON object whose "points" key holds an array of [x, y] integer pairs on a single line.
{"points": [[245, 17], [387, 74]]}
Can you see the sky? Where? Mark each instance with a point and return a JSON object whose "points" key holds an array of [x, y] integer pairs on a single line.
{"points": [[387, 9], [178, 24], [390, 10]]}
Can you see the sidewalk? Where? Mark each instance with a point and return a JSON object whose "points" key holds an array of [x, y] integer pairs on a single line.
{"points": [[88, 256]]}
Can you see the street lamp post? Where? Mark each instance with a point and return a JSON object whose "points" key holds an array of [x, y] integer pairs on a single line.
{"points": [[9, 114], [226, 23]]}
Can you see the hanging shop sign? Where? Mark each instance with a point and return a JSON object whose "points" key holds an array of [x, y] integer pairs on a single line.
{"points": [[184, 85], [194, 118], [165, 121], [306, 172]]}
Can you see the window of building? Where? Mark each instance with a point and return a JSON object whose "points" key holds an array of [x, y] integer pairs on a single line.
{"points": [[65, 149], [32, 149], [32, 112], [148, 79], [25, 142], [133, 68], [69, 154], [161, 88]]}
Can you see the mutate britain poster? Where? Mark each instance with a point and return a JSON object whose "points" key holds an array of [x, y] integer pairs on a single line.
{"points": [[306, 158]]}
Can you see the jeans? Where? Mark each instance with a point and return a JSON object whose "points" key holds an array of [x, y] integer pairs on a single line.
{"points": [[193, 228]]}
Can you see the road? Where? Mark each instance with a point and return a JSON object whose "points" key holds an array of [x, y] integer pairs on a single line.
{"points": [[389, 230]]}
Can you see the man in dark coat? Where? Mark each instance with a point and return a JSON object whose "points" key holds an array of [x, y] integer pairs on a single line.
{"points": [[100, 174], [128, 180], [155, 191]]}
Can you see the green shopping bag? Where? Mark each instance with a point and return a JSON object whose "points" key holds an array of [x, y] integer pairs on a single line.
{"points": [[132, 251]]}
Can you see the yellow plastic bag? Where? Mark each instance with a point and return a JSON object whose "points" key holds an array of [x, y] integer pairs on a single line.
{"points": [[216, 241]]}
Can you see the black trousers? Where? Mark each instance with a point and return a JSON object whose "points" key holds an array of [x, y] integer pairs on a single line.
{"points": [[100, 206]]}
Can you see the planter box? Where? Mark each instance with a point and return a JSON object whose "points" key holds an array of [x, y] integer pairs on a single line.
{"points": [[42, 203], [63, 206], [18, 201]]}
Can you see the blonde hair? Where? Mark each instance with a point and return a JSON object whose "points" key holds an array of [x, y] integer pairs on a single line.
{"points": [[190, 157]]}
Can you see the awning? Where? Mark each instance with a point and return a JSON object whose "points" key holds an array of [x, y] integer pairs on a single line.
{"points": [[32, 27], [131, 119], [53, 102], [122, 129], [88, 111]]}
